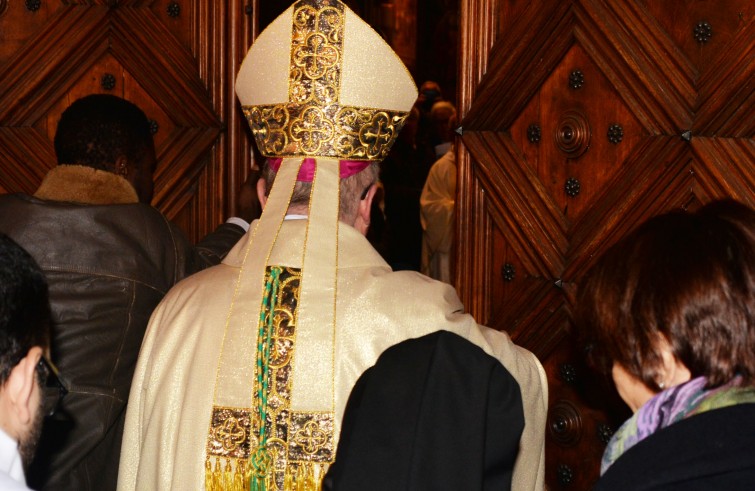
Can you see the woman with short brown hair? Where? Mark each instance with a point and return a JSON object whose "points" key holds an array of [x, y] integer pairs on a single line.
{"points": [[669, 311]]}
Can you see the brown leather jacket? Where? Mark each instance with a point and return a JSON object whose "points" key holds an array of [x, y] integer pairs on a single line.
{"points": [[108, 266]]}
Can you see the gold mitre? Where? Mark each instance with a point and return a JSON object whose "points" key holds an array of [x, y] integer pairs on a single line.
{"points": [[319, 81]]}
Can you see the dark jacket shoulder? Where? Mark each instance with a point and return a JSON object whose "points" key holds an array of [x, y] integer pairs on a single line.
{"points": [[711, 450], [435, 412], [107, 266]]}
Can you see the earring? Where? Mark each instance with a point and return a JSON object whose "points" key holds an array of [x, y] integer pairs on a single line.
{"points": [[661, 385]]}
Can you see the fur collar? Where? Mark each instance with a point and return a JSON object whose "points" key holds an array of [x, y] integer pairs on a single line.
{"points": [[81, 184]]}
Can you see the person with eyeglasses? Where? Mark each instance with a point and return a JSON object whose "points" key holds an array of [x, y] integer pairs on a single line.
{"points": [[29, 385]]}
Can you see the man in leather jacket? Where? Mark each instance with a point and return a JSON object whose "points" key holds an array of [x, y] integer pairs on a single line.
{"points": [[109, 257]]}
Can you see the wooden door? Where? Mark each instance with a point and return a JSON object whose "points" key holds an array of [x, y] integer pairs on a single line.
{"points": [[581, 119], [175, 59]]}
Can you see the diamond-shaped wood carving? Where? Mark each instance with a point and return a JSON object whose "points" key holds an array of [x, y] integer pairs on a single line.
{"points": [[177, 64], [580, 120], [650, 98]]}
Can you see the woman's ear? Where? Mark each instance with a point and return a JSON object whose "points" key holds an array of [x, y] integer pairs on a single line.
{"points": [[673, 371]]}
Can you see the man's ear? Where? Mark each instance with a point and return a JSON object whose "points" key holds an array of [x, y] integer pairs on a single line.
{"points": [[19, 387], [122, 167], [261, 192], [362, 222]]}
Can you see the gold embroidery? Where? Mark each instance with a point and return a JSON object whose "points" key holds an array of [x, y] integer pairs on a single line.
{"points": [[313, 122], [347, 133], [316, 56], [316, 53], [231, 434], [300, 445], [312, 130], [312, 438]]}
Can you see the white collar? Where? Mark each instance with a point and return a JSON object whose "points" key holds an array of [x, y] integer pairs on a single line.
{"points": [[10, 459]]}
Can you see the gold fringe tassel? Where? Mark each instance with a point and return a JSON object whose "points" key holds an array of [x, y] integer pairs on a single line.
{"points": [[226, 477], [303, 477]]}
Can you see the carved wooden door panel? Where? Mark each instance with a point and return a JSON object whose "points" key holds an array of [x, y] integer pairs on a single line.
{"points": [[580, 120], [175, 59]]}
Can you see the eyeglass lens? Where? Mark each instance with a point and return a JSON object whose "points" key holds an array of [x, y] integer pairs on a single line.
{"points": [[53, 389]]}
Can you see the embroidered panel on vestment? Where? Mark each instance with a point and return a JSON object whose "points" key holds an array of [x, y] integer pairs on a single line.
{"points": [[298, 446]]}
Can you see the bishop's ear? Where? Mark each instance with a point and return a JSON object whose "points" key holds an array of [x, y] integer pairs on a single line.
{"points": [[362, 222], [262, 192]]}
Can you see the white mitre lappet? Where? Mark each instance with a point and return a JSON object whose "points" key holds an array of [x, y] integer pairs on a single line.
{"points": [[317, 86]]}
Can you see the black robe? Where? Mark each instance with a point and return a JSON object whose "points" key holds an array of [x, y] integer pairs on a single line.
{"points": [[434, 413]]}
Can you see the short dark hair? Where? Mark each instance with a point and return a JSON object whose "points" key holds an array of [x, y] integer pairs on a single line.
{"points": [[24, 306], [98, 129], [689, 277]]}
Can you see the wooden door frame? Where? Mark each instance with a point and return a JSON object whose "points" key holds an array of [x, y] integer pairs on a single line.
{"points": [[474, 227], [235, 28]]}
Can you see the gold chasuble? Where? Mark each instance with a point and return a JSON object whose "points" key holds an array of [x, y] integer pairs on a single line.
{"points": [[318, 83], [246, 367]]}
